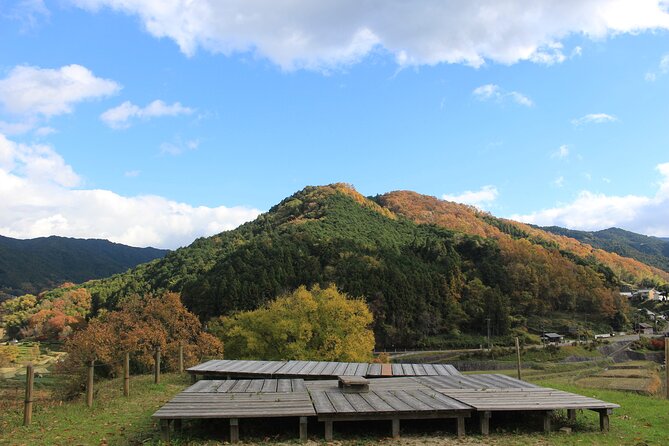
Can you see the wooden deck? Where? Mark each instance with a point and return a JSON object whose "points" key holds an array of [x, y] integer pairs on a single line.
{"points": [[235, 399], [391, 398], [315, 369]]}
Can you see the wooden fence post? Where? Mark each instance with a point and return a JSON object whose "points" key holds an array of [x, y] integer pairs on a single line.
{"points": [[181, 358], [156, 368], [28, 408], [518, 356], [126, 375], [89, 383]]}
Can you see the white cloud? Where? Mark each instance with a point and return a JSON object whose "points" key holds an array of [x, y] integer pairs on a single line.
{"points": [[178, 146], [559, 181], [330, 33], [480, 198], [562, 152], [47, 92], [594, 118], [663, 68], [492, 92], [132, 173], [122, 115], [593, 211], [38, 198], [29, 12]]}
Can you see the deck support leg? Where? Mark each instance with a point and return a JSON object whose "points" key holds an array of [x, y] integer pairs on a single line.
{"points": [[303, 428], [234, 430], [571, 414], [193, 378], [461, 426], [328, 431], [396, 428], [484, 418], [177, 425], [604, 420], [165, 430], [547, 421]]}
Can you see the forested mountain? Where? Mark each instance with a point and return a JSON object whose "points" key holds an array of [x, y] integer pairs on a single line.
{"points": [[650, 250], [31, 266], [429, 269]]}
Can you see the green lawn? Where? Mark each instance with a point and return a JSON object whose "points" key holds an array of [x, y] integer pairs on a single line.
{"points": [[641, 420]]}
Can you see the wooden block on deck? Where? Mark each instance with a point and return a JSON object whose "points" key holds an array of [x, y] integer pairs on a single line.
{"points": [[353, 384]]}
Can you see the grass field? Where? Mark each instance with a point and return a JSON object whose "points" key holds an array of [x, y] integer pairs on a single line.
{"points": [[115, 420]]}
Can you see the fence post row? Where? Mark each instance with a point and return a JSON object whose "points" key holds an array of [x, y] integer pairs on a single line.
{"points": [[28, 404]]}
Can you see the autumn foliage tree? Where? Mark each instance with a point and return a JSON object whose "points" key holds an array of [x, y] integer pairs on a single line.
{"points": [[138, 327], [318, 324]]}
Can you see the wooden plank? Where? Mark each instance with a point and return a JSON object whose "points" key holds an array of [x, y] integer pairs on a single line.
{"points": [[225, 385], [397, 369], [270, 385], [339, 369], [255, 386], [359, 404], [361, 370], [374, 370], [284, 385], [298, 385], [386, 370], [429, 369], [378, 404], [397, 404], [322, 403], [407, 370], [329, 369], [240, 386], [340, 403], [351, 367]]}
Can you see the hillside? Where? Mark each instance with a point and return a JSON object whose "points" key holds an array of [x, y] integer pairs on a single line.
{"points": [[31, 266], [429, 269], [650, 250]]}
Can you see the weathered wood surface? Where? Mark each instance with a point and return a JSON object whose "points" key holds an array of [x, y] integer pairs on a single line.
{"points": [[386, 397], [520, 399], [487, 381], [242, 398], [316, 369]]}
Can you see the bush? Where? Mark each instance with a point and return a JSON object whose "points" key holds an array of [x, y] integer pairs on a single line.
{"points": [[8, 354]]}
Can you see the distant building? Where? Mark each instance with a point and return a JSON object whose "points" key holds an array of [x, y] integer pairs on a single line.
{"points": [[552, 338], [645, 328], [648, 294]]}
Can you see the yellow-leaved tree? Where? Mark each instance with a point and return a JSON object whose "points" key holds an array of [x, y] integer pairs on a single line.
{"points": [[320, 324]]}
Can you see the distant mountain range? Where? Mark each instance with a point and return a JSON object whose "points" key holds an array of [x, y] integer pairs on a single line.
{"points": [[650, 250], [31, 266]]}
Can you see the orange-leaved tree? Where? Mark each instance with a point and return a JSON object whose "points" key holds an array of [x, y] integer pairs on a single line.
{"points": [[140, 326]]}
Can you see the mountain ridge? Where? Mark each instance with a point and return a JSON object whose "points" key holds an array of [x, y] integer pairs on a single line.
{"points": [[429, 269], [35, 265]]}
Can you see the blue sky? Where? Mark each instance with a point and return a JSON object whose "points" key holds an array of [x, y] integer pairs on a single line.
{"points": [[152, 123]]}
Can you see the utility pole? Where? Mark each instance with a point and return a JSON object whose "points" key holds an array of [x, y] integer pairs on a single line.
{"points": [[488, 322]]}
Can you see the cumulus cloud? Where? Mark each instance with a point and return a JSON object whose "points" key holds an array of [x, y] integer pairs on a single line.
{"points": [[480, 198], [46, 91], [492, 92], [593, 211], [122, 115], [39, 197], [316, 35], [594, 118], [177, 147]]}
